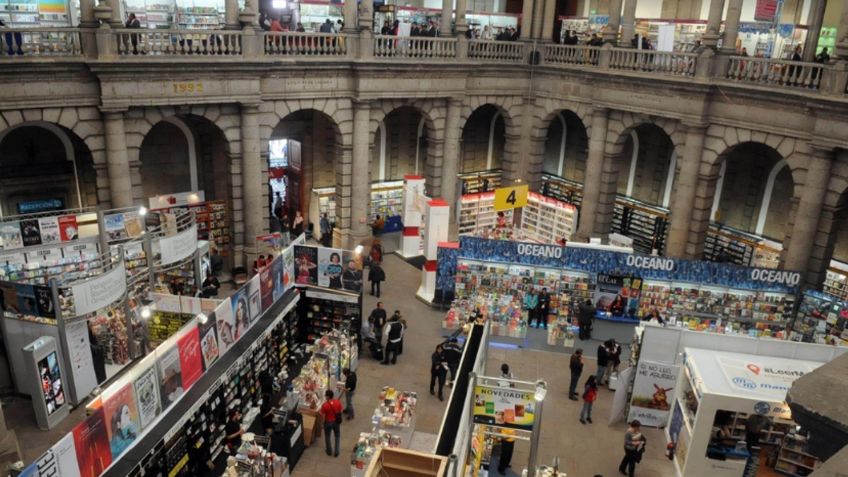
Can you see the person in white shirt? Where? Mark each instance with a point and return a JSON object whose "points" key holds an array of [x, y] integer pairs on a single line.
{"points": [[487, 33]]}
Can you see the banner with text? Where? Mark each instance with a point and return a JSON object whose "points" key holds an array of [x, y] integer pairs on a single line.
{"points": [[652, 392], [504, 407]]}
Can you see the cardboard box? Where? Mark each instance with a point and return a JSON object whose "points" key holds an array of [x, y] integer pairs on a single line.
{"points": [[406, 463], [312, 425]]}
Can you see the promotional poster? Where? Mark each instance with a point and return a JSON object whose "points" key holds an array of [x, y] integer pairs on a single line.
{"points": [[227, 329], [504, 407], [30, 232], [266, 286], [92, 445], [191, 364], [352, 272], [306, 265], [653, 391], [49, 230], [288, 268], [26, 299], [51, 383], [10, 236], [618, 294], [209, 341], [44, 301], [147, 396], [114, 225], [277, 278], [330, 268], [122, 420], [68, 228], [241, 312], [253, 293], [170, 376], [60, 460]]}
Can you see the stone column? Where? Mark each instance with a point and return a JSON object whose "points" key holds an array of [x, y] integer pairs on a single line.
{"points": [[117, 161], [731, 27], [538, 18], [594, 174], [461, 23], [88, 22], [809, 209], [685, 189], [610, 34], [366, 15], [814, 26], [711, 36], [842, 33], [527, 19], [548, 20], [87, 19], [628, 23], [349, 12], [116, 21], [360, 183], [251, 176], [450, 155], [231, 15], [447, 16]]}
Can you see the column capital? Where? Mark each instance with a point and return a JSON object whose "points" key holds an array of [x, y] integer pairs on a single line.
{"points": [[361, 103], [822, 150], [112, 111], [694, 125], [454, 101], [249, 107]]}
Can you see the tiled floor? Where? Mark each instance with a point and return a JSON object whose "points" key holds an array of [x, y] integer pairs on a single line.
{"points": [[584, 450]]}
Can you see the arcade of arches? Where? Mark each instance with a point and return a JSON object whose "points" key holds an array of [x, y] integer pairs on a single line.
{"points": [[747, 183]]}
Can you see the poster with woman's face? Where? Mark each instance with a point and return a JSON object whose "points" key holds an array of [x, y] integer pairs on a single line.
{"points": [[241, 312], [306, 265], [209, 341], [226, 324], [330, 268], [170, 376], [122, 420], [254, 298], [351, 271]]}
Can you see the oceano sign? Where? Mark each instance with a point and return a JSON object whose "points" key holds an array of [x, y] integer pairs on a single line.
{"points": [[534, 250], [776, 276], [650, 263]]}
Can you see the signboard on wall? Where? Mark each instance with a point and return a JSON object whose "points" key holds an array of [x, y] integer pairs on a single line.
{"points": [[765, 11], [652, 393], [178, 247], [98, 292]]}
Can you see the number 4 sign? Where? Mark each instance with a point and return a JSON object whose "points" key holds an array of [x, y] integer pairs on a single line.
{"points": [[507, 198]]}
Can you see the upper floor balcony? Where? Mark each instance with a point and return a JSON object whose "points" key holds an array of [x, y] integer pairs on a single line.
{"points": [[105, 44]]}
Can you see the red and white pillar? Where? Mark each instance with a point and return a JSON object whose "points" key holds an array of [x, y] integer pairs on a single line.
{"points": [[414, 202], [437, 222]]}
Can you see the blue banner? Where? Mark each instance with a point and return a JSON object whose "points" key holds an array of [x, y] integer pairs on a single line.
{"points": [[594, 261]]}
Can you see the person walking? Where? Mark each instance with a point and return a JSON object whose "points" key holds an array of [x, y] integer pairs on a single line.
{"points": [[507, 446], [590, 393], [614, 359], [350, 389], [331, 410], [585, 313], [634, 445], [531, 301], [453, 355], [576, 367], [543, 308], [603, 362], [297, 224], [376, 253], [375, 276], [394, 333], [377, 319], [326, 232], [438, 370]]}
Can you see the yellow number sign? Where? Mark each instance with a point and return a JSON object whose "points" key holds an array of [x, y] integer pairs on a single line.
{"points": [[507, 198]]}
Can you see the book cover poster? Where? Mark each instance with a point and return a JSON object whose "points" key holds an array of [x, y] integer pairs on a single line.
{"points": [[306, 265], [68, 228], [254, 298], [92, 445], [351, 271], [30, 232], [147, 397], [330, 268], [121, 416], [209, 341], [288, 268], [26, 299], [10, 236], [191, 363], [44, 301], [279, 284], [227, 329], [60, 460], [241, 312], [49, 230], [114, 225], [170, 376], [266, 285]]}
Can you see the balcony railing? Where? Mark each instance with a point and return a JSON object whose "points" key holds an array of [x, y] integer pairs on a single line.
{"points": [[765, 71], [666, 62], [306, 44], [40, 42], [488, 50], [572, 55], [416, 48], [178, 42]]}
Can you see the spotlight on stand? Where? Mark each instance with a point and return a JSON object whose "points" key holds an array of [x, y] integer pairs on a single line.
{"points": [[202, 318], [145, 312], [541, 391], [358, 250]]}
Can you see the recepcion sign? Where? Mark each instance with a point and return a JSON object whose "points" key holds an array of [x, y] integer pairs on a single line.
{"points": [[504, 407]]}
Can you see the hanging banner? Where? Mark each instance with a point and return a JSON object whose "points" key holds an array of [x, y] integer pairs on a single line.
{"points": [[91, 445], [241, 312], [504, 407], [170, 375], [68, 228], [178, 247], [147, 396], [330, 268], [10, 236], [765, 10], [227, 329], [79, 355], [49, 230], [121, 414], [306, 265], [652, 393], [98, 292], [87, 249], [44, 255], [288, 268], [208, 341], [266, 286], [191, 364], [30, 232], [352, 272], [253, 294]]}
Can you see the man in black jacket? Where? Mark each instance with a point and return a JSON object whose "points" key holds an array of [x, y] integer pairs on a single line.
{"points": [[453, 354], [394, 333], [350, 388], [584, 319], [603, 362], [377, 319]]}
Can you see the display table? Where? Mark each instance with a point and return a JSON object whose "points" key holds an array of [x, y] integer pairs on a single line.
{"points": [[503, 310], [396, 414], [619, 328], [367, 446]]}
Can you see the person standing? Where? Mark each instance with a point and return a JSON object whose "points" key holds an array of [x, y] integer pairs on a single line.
{"points": [[266, 414], [377, 318], [453, 355], [331, 410], [404, 327], [233, 430], [297, 224], [507, 446], [634, 442], [349, 388], [603, 362], [542, 309], [584, 318], [590, 393], [438, 370], [376, 253], [531, 301], [133, 23], [506, 377], [614, 359], [576, 367], [326, 232], [375, 276], [394, 333]]}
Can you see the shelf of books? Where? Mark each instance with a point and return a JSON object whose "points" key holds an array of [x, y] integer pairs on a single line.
{"points": [[477, 213], [152, 13], [646, 224], [562, 189], [483, 181], [213, 222], [724, 244], [794, 458], [820, 318], [386, 201], [548, 220], [836, 280]]}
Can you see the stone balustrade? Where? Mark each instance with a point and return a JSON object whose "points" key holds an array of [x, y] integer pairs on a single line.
{"points": [[571, 54], [40, 42], [414, 48], [650, 61], [178, 42], [306, 44], [771, 72], [489, 50]]}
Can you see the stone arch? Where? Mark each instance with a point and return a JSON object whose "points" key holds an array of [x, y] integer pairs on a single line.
{"points": [[340, 111], [549, 108], [509, 106], [85, 122], [720, 139], [573, 143], [622, 122]]}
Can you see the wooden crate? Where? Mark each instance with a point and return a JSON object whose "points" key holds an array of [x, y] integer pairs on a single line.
{"points": [[406, 463]]}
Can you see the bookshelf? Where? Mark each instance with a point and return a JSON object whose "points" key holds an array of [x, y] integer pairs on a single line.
{"points": [[647, 225], [548, 220]]}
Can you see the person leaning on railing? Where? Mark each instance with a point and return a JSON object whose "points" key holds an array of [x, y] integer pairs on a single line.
{"points": [[133, 23], [10, 45]]}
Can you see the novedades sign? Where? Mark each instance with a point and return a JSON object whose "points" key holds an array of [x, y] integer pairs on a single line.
{"points": [[504, 407]]}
